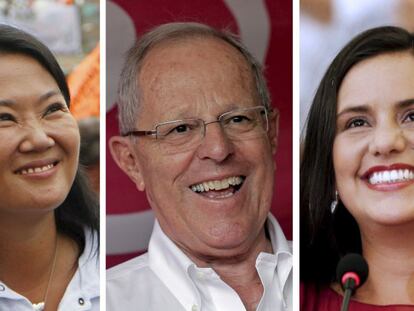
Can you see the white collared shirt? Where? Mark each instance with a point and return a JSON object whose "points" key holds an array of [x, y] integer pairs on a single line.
{"points": [[166, 279], [81, 294]]}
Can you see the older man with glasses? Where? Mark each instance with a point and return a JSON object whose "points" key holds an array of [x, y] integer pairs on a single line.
{"points": [[198, 135]]}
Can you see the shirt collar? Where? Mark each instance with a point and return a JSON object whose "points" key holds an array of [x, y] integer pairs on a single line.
{"points": [[279, 243], [282, 252], [85, 283]]}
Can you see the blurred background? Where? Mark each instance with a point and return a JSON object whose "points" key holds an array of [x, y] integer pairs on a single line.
{"points": [[327, 25], [70, 29]]}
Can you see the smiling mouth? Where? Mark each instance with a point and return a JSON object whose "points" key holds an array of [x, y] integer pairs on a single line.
{"points": [[36, 170], [218, 189], [391, 176]]}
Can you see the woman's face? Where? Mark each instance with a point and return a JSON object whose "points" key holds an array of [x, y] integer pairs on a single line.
{"points": [[374, 146], [39, 138]]}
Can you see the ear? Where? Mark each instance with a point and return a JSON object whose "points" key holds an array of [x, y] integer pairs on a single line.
{"points": [[273, 132], [125, 157]]}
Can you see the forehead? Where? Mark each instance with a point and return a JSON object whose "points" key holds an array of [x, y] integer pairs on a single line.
{"points": [[386, 78], [192, 73], [16, 64], [22, 76]]}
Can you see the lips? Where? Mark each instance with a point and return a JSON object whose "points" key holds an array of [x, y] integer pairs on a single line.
{"points": [[37, 167], [383, 175]]}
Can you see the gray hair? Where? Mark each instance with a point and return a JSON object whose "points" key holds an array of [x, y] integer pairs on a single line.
{"points": [[128, 91]]}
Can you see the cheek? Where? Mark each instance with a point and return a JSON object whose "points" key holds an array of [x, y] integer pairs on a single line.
{"points": [[162, 173], [67, 137], [349, 153], [410, 138], [260, 155], [343, 168], [70, 142], [9, 144], [345, 158], [262, 164], [348, 156]]}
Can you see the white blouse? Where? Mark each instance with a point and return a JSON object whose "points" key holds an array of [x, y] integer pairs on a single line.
{"points": [[82, 292]]}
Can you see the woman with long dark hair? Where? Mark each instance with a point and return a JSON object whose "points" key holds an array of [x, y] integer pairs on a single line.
{"points": [[357, 175], [49, 219]]}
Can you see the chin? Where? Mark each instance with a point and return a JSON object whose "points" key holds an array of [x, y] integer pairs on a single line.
{"points": [[395, 217], [228, 238], [396, 220], [48, 201]]}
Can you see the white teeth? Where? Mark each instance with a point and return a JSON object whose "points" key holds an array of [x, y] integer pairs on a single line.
{"points": [[217, 184], [36, 169], [391, 176]]}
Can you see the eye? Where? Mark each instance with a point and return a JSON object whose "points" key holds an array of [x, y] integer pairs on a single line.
{"points": [[177, 129], [55, 107], [356, 122], [182, 128], [409, 117], [238, 119], [7, 117]]}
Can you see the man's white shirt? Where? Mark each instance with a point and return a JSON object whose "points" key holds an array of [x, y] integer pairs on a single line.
{"points": [[166, 279]]}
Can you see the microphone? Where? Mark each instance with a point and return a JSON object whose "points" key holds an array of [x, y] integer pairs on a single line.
{"points": [[351, 273]]}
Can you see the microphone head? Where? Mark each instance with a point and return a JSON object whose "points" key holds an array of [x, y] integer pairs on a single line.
{"points": [[352, 266]]}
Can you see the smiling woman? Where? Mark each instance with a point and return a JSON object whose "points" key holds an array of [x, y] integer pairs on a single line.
{"points": [[357, 175], [48, 217]]}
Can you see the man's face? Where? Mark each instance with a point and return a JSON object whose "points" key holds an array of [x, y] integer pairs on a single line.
{"points": [[203, 78]]}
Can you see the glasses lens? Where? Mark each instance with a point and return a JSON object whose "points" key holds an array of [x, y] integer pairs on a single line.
{"points": [[177, 136], [246, 123]]}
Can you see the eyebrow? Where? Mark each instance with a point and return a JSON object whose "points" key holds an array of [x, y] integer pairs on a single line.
{"points": [[43, 97], [365, 108], [6, 102], [355, 109], [405, 103], [183, 113]]}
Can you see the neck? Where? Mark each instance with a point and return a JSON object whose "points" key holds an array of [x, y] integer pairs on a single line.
{"points": [[239, 272], [389, 252], [27, 250]]}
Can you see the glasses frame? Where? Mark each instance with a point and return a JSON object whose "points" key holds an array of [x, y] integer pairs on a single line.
{"points": [[154, 132]]}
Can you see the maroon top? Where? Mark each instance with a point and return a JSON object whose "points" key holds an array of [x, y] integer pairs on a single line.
{"points": [[329, 300]]}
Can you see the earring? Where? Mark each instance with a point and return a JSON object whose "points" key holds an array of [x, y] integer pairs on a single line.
{"points": [[334, 203]]}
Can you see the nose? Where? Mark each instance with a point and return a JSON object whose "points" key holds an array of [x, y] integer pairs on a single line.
{"points": [[35, 139], [387, 139], [215, 144]]}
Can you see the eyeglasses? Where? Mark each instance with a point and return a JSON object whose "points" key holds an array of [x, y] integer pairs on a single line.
{"points": [[185, 134]]}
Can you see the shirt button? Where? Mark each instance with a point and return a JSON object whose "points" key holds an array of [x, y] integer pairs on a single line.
{"points": [[194, 308], [2, 288], [81, 301]]}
